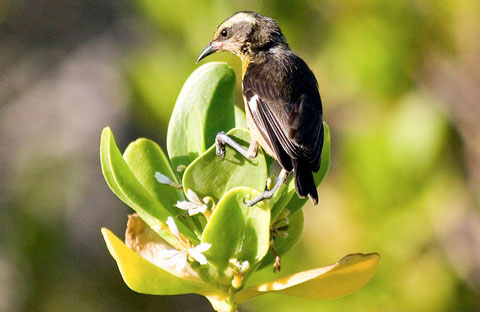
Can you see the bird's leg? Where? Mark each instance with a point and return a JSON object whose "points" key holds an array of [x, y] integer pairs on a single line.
{"points": [[222, 138], [282, 178]]}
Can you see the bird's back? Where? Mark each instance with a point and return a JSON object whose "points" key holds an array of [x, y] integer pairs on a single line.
{"points": [[288, 108]]}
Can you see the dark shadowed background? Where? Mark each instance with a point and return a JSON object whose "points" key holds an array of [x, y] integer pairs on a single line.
{"points": [[400, 81]]}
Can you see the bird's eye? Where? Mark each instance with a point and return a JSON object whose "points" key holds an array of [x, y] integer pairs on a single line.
{"points": [[224, 33]]}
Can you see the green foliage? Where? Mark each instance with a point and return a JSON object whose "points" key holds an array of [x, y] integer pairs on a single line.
{"points": [[288, 232], [237, 231], [204, 107], [124, 184], [221, 242], [144, 157], [240, 119]]}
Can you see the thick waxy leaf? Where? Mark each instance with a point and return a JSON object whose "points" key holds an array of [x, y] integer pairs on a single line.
{"points": [[283, 244], [281, 198], [209, 175], [146, 278], [144, 157], [125, 185], [295, 229], [240, 118], [346, 276], [297, 203], [204, 107], [237, 231]]}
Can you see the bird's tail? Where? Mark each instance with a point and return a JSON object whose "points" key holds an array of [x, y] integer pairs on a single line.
{"points": [[304, 183]]}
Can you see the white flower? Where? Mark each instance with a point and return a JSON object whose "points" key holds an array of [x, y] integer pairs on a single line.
{"points": [[173, 227], [192, 208], [197, 252], [243, 266], [178, 258], [163, 179], [194, 205], [240, 266]]}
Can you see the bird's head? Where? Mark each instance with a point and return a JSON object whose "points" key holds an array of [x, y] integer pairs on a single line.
{"points": [[244, 33]]}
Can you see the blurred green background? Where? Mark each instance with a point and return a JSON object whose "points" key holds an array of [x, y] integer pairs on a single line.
{"points": [[400, 82]]}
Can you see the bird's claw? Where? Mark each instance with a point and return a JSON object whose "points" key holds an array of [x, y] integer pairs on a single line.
{"points": [[220, 145], [263, 196], [220, 151]]}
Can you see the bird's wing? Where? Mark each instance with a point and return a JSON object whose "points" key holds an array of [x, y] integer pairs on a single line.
{"points": [[267, 131], [289, 120]]}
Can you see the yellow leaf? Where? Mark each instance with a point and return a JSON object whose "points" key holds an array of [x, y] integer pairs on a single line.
{"points": [[346, 276], [146, 278], [140, 238]]}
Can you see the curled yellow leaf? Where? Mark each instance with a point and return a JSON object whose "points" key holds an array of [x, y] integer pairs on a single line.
{"points": [[346, 276], [148, 244], [144, 277]]}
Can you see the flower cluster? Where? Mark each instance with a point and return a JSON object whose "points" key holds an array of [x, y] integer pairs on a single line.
{"points": [[178, 258]]}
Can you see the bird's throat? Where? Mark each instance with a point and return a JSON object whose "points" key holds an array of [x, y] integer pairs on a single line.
{"points": [[245, 62]]}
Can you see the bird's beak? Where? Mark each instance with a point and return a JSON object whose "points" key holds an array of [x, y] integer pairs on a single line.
{"points": [[211, 48]]}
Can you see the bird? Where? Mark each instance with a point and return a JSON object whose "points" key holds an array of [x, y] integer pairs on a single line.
{"points": [[282, 102]]}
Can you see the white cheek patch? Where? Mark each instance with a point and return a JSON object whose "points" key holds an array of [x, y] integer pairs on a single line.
{"points": [[253, 103]]}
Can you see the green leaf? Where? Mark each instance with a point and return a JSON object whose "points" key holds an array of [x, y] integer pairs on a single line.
{"points": [[125, 185], [186, 144], [209, 175], [295, 229], [237, 231], [346, 276], [144, 158], [284, 244], [204, 107], [281, 198], [296, 202], [240, 119], [144, 277]]}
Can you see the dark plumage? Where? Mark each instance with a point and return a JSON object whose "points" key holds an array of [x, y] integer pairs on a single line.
{"points": [[282, 101], [289, 112]]}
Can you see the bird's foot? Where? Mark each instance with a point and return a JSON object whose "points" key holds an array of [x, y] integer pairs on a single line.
{"points": [[220, 145], [263, 196]]}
